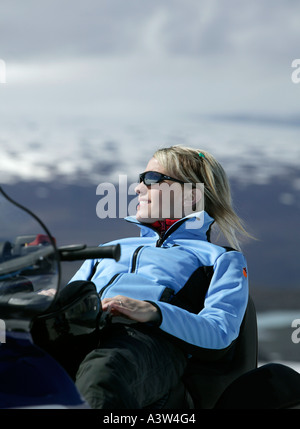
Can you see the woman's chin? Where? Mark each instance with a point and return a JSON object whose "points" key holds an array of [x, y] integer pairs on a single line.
{"points": [[143, 217]]}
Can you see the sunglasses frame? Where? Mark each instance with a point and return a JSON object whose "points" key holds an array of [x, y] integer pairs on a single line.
{"points": [[162, 178]]}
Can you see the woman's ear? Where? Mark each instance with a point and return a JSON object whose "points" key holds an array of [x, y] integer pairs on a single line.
{"points": [[192, 196], [193, 199]]}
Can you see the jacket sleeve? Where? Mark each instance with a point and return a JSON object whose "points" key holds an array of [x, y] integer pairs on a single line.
{"points": [[218, 323]]}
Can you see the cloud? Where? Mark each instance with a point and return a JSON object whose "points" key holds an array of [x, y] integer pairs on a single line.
{"points": [[206, 28], [148, 58]]}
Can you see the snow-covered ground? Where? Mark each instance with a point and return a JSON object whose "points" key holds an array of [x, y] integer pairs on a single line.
{"points": [[86, 150]]}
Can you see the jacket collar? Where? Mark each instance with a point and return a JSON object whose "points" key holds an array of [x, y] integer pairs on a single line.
{"points": [[195, 226]]}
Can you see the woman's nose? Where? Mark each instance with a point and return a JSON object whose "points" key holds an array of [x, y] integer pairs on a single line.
{"points": [[141, 188]]}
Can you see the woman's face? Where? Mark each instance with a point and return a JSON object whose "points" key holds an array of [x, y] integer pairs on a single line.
{"points": [[159, 201]]}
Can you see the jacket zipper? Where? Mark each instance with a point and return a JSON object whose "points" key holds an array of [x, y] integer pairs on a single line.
{"points": [[136, 252], [108, 284], [94, 269], [134, 258], [168, 232]]}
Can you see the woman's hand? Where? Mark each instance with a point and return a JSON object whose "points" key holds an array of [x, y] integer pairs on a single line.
{"points": [[135, 309], [48, 292]]}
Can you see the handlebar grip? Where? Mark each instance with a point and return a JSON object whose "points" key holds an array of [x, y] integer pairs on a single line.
{"points": [[76, 253]]}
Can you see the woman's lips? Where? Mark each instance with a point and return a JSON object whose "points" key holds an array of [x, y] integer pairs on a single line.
{"points": [[143, 203]]}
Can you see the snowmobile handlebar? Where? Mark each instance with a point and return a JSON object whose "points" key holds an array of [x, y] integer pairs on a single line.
{"points": [[81, 251]]}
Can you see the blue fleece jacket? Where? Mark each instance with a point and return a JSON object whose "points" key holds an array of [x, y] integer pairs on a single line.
{"points": [[162, 269]]}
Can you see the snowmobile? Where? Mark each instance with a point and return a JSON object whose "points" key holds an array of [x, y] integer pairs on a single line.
{"points": [[38, 317]]}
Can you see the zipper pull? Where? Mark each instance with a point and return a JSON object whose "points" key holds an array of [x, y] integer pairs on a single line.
{"points": [[163, 228], [159, 242]]}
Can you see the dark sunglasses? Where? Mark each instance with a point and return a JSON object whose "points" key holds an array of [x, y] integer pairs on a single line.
{"points": [[151, 177]]}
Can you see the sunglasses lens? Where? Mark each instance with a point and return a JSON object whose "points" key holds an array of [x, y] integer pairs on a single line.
{"points": [[151, 177]]}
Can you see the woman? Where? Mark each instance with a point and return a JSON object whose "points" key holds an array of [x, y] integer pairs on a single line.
{"points": [[173, 294]]}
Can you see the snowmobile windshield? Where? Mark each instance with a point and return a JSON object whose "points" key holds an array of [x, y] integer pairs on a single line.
{"points": [[29, 266]]}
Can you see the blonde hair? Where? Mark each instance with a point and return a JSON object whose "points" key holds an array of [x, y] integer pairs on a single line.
{"points": [[186, 164]]}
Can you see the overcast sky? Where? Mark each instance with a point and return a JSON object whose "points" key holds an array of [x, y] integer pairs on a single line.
{"points": [[116, 63], [181, 46], [265, 30]]}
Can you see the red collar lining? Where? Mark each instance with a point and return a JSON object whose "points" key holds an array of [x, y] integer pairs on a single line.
{"points": [[163, 225]]}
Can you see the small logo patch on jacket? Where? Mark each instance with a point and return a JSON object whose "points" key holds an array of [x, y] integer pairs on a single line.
{"points": [[245, 272]]}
